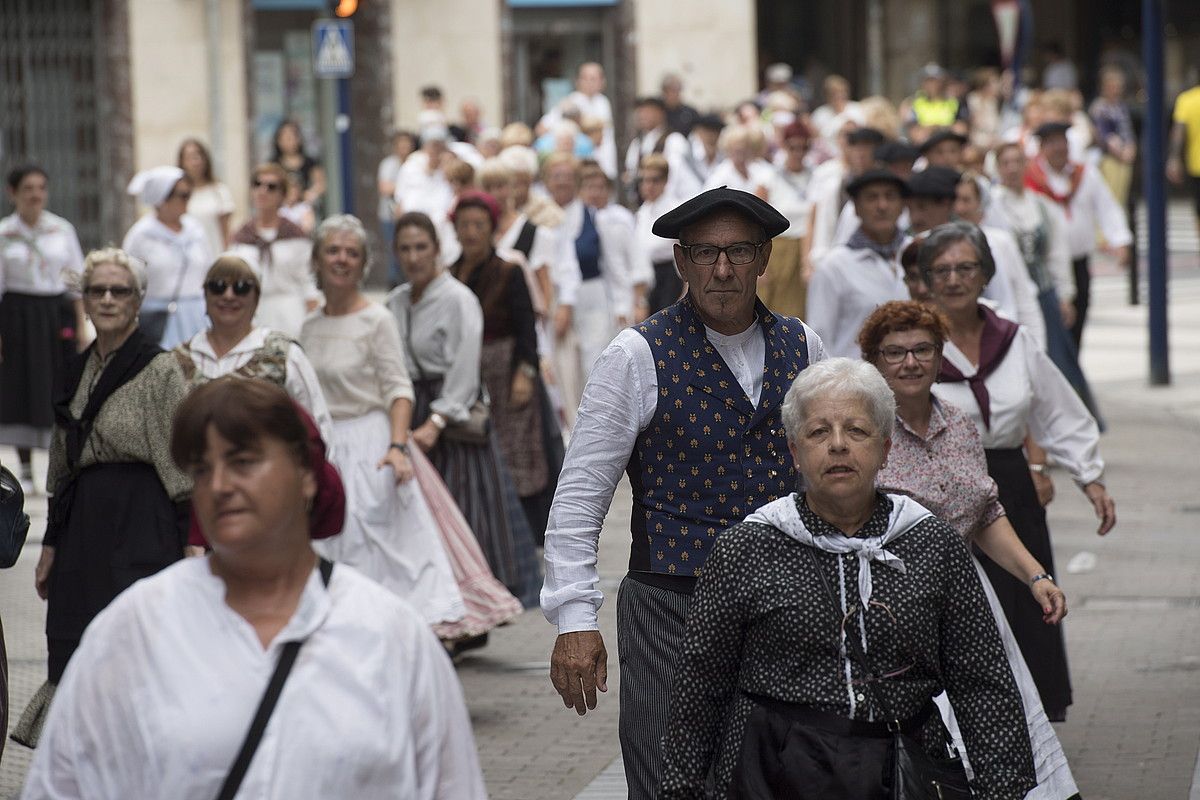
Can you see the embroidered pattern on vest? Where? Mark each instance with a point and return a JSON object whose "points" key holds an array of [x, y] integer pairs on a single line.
{"points": [[268, 363]]}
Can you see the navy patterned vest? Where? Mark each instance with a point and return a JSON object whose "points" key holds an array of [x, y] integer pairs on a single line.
{"points": [[709, 457]]}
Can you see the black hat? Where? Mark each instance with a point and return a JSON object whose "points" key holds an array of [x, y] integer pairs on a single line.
{"points": [[712, 122], [934, 182], [865, 136], [1051, 128], [877, 176], [939, 136], [670, 224], [892, 152]]}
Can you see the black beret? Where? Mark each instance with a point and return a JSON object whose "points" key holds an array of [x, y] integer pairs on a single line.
{"points": [[865, 136], [1051, 128], [712, 122], [876, 176], [934, 182], [893, 151], [670, 224], [939, 136]]}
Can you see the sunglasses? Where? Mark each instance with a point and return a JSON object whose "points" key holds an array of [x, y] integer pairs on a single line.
{"points": [[241, 287], [270, 186], [118, 292]]}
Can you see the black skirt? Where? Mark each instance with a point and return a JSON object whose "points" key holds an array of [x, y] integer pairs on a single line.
{"points": [[1042, 645], [121, 527], [37, 336]]}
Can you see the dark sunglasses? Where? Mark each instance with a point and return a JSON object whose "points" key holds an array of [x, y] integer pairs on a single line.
{"points": [[270, 186], [118, 292], [240, 288]]}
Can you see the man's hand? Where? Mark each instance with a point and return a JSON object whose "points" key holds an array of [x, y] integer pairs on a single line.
{"points": [[1106, 509], [578, 667]]}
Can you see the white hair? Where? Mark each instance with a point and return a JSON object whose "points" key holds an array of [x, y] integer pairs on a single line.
{"points": [[519, 159], [342, 223], [840, 377], [117, 257]]}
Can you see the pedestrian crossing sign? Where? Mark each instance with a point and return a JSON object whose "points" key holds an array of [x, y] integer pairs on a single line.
{"points": [[333, 48]]}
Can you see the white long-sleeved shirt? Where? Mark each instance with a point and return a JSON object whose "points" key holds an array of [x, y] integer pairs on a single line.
{"points": [[654, 248], [174, 259], [786, 195], [1027, 394], [1024, 212], [38, 260], [1012, 276], [301, 381], [160, 694], [682, 182], [618, 257], [846, 286], [618, 403], [1092, 208]]}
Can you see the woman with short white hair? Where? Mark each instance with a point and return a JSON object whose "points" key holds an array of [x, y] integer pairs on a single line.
{"points": [[829, 619]]}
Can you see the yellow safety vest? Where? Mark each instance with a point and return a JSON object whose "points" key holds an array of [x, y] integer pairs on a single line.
{"points": [[934, 113]]}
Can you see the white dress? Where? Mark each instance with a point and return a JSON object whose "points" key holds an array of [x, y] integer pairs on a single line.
{"points": [[390, 533]]}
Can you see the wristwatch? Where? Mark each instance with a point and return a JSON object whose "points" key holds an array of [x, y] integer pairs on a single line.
{"points": [[1040, 469], [438, 421], [401, 446]]}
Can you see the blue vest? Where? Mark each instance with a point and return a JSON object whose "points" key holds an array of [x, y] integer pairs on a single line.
{"points": [[709, 457]]}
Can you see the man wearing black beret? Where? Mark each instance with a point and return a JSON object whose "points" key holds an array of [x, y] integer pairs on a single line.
{"points": [[687, 404]]}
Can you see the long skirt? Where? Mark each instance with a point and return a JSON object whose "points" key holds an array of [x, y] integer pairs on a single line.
{"points": [[484, 492], [390, 534], [488, 604], [1055, 781], [1042, 645], [518, 430], [37, 337], [537, 506], [1063, 353], [784, 290]]}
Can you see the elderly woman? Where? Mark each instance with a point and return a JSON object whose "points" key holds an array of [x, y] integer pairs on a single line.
{"points": [[370, 709], [744, 166], [444, 327], [355, 347], [279, 252], [39, 315], [938, 460], [767, 667], [175, 250], [119, 510], [994, 371]]}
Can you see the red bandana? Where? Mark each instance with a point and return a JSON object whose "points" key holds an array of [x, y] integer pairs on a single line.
{"points": [[1035, 179]]}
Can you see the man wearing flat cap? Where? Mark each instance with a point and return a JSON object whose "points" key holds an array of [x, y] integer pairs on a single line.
{"points": [[687, 404], [944, 148], [1080, 190]]}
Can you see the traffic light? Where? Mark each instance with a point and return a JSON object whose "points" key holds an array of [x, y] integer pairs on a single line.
{"points": [[344, 8]]}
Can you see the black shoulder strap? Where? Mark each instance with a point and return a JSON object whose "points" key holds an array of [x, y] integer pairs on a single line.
{"points": [[524, 243], [287, 658]]}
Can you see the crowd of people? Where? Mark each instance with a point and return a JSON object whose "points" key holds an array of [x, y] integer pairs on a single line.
{"points": [[561, 314]]}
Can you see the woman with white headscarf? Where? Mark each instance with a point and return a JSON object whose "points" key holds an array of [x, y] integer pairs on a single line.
{"points": [[176, 253]]}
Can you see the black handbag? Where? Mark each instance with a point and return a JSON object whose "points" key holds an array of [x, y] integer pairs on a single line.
{"points": [[916, 775], [14, 522]]}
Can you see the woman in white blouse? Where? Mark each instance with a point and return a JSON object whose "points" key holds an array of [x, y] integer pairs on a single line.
{"points": [[166, 681], [993, 370], [176, 253], [744, 167], [212, 203], [39, 317], [234, 345], [354, 345]]}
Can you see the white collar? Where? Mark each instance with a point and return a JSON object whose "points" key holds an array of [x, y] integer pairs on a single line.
{"points": [[252, 341], [311, 612]]}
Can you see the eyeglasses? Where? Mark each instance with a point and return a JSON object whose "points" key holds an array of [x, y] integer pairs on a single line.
{"points": [[923, 352], [240, 287], [966, 270], [117, 292], [270, 186], [705, 255]]}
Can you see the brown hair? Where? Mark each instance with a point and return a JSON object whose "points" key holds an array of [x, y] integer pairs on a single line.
{"points": [[233, 268], [416, 219], [243, 411], [590, 169], [656, 162], [207, 174], [460, 171], [901, 315]]}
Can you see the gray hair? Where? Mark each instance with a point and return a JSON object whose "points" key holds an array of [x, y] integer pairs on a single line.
{"points": [[118, 257], [943, 236], [840, 377], [342, 223]]}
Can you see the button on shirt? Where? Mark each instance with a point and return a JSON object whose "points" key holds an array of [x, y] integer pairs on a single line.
{"points": [[618, 403]]}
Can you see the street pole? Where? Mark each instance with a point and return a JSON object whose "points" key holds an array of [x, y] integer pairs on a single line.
{"points": [[1154, 189], [342, 124]]}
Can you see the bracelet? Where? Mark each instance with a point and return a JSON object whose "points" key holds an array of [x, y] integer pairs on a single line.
{"points": [[528, 370], [1040, 469], [1041, 576], [438, 421], [401, 446]]}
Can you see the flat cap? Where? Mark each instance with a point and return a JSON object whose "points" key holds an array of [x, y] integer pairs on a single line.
{"points": [[712, 122], [866, 136], [934, 182], [939, 136], [892, 152], [758, 211], [1051, 128], [877, 176]]}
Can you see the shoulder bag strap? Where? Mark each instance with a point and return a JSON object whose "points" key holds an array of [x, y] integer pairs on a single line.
{"points": [[287, 658], [408, 340]]}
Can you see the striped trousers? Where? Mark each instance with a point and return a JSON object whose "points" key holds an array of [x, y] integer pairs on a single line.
{"points": [[650, 629]]}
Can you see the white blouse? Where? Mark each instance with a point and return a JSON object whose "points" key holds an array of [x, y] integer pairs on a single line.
{"points": [[160, 694], [173, 258], [1027, 394], [36, 260], [359, 360], [301, 382], [208, 204], [1024, 212]]}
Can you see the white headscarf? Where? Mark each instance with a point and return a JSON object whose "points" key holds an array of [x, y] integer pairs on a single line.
{"points": [[153, 186]]}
